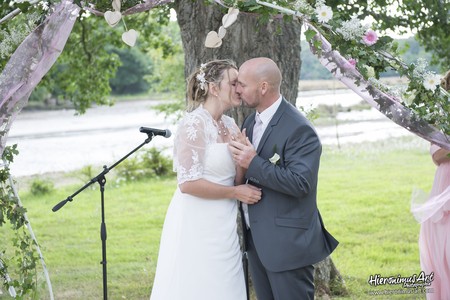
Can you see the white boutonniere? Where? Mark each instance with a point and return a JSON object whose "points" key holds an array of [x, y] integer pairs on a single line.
{"points": [[275, 158]]}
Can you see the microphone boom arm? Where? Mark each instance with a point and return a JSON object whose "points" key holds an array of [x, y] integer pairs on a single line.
{"points": [[101, 179], [101, 175]]}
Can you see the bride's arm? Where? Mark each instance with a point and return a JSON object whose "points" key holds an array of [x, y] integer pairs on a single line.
{"points": [[189, 154], [209, 190]]}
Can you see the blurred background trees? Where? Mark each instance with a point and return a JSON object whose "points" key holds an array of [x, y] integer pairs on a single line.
{"points": [[156, 64]]}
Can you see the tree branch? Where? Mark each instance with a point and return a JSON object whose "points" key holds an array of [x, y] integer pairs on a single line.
{"points": [[15, 12]]}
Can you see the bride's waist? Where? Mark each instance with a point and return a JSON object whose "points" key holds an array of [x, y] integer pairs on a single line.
{"points": [[228, 181], [194, 202]]}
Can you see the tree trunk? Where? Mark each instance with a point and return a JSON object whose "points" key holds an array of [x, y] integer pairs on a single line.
{"points": [[245, 39]]}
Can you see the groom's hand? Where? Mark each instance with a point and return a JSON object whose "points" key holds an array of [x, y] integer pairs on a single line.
{"points": [[243, 153], [248, 193]]}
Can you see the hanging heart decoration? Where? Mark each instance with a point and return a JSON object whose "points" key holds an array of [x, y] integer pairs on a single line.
{"points": [[214, 39], [129, 37], [222, 32], [116, 5], [113, 17], [230, 17]]}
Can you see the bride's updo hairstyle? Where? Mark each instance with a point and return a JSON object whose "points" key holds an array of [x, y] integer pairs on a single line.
{"points": [[197, 82]]}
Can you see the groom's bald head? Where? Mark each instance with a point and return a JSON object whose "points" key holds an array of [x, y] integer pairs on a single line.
{"points": [[259, 82], [263, 69]]}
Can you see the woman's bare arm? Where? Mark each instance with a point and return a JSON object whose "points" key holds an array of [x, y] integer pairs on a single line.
{"points": [[209, 190]]}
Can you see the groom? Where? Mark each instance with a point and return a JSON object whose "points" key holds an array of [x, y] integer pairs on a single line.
{"points": [[285, 235]]}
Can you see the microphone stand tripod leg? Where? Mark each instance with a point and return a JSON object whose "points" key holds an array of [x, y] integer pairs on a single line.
{"points": [[102, 181]]}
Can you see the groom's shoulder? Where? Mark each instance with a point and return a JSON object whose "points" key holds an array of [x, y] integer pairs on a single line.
{"points": [[292, 113]]}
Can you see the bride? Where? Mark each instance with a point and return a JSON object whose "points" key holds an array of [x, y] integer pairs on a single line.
{"points": [[199, 256]]}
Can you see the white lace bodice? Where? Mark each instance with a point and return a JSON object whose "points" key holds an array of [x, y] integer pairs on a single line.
{"points": [[195, 133]]}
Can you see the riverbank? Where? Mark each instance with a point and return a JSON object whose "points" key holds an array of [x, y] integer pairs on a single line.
{"points": [[304, 85], [55, 143], [334, 84], [368, 147]]}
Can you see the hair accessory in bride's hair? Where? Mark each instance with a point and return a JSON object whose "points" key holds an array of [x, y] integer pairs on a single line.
{"points": [[201, 76]]}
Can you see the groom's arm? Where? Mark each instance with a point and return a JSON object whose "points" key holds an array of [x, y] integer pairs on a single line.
{"points": [[297, 172]]}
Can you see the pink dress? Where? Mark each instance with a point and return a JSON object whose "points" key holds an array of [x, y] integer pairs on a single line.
{"points": [[434, 239]]}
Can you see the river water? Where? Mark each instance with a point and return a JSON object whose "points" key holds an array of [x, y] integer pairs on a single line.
{"points": [[55, 141]]}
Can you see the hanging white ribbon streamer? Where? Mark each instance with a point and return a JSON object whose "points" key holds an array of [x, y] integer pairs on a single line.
{"points": [[31, 61]]}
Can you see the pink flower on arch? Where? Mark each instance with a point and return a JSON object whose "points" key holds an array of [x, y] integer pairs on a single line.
{"points": [[370, 37], [351, 63]]}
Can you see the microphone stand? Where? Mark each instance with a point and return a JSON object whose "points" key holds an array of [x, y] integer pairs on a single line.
{"points": [[101, 179]]}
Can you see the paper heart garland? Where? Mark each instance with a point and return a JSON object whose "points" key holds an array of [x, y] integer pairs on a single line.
{"points": [[113, 17], [222, 32], [116, 5], [214, 39], [129, 37], [230, 17]]}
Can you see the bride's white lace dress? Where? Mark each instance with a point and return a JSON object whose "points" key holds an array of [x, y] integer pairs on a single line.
{"points": [[199, 256]]}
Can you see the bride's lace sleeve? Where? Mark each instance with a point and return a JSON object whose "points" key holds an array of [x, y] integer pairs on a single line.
{"points": [[189, 148], [231, 125]]}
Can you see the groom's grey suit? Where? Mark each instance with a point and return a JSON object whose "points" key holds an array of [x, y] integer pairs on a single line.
{"points": [[286, 228]]}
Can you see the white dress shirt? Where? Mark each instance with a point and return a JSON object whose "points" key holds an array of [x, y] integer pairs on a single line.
{"points": [[265, 117]]}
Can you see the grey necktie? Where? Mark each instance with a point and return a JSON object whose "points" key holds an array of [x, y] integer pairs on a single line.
{"points": [[257, 131]]}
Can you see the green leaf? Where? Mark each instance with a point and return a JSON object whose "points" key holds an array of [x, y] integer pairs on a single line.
{"points": [[317, 44], [309, 34]]}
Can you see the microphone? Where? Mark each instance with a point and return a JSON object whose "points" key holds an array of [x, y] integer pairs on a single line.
{"points": [[153, 131]]}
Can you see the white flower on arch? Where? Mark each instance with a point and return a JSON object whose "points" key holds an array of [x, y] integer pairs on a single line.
{"points": [[431, 81], [324, 13]]}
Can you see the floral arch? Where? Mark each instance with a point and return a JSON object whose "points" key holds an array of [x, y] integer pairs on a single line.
{"points": [[423, 108]]}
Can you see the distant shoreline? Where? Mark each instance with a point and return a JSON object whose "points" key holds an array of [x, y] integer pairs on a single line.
{"points": [[303, 86], [334, 84]]}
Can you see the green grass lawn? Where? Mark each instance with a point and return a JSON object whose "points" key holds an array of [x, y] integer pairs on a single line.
{"points": [[364, 198]]}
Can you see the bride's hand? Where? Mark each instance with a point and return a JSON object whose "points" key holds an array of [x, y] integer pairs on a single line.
{"points": [[248, 193], [241, 137]]}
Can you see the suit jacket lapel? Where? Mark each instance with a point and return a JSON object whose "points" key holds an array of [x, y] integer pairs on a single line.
{"points": [[273, 122], [251, 122]]}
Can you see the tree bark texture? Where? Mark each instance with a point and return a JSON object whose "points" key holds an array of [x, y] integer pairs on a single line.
{"points": [[247, 38]]}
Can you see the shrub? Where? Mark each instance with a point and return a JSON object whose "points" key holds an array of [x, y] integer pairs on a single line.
{"points": [[41, 187], [146, 164]]}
